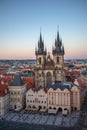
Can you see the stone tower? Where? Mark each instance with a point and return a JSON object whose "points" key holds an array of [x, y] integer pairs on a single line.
{"points": [[40, 53], [58, 56]]}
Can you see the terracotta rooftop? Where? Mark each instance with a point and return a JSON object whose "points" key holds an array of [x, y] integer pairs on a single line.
{"points": [[3, 90], [81, 84]]}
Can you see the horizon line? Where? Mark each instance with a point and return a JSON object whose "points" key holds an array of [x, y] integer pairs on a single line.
{"points": [[35, 59]]}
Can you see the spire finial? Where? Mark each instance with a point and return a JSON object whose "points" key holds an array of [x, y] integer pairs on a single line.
{"points": [[57, 33], [57, 28], [40, 35], [40, 30]]}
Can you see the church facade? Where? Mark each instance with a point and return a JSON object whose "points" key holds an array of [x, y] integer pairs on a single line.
{"points": [[49, 70]]}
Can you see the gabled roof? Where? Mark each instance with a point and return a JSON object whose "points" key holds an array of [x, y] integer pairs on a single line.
{"points": [[17, 81], [76, 86]]}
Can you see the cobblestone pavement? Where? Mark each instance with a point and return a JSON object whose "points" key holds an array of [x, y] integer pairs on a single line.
{"points": [[24, 126], [30, 118]]}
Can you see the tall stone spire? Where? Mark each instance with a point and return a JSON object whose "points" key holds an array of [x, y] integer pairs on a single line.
{"points": [[40, 43], [40, 49], [57, 36], [57, 49]]}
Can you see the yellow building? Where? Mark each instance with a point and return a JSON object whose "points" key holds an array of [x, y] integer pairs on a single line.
{"points": [[64, 96]]}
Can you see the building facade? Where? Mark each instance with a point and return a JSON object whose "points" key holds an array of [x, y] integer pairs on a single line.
{"points": [[17, 93], [64, 96], [58, 98], [36, 99]]}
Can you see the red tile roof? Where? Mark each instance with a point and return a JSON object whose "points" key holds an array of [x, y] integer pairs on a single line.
{"points": [[29, 81], [3, 90], [38, 88], [5, 80], [80, 82]]}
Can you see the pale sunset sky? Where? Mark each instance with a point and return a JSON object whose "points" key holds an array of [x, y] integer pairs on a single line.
{"points": [[21, 20]]}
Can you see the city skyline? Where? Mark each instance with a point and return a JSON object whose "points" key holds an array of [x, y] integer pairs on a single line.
{"points": [[21, 21]]}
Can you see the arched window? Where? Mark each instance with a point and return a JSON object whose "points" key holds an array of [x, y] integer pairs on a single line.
{"points": [[50, 107], [57, 59], [59, 109], [44, 107], [49, 79], [40, 60], [54, 108], [29, 106]]}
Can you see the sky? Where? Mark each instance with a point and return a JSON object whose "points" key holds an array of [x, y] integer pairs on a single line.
{"points": [[21, 21]]}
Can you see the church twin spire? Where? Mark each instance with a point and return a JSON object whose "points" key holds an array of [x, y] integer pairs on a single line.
{"points": [[58, 46], [40, 49], [57, 49]]}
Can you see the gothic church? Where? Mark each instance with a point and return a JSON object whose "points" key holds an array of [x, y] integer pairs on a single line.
{"points": [[49, 70]]}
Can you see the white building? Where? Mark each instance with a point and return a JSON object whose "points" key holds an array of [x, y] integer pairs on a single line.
{"points": [[17, 93], [36, 99]]}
